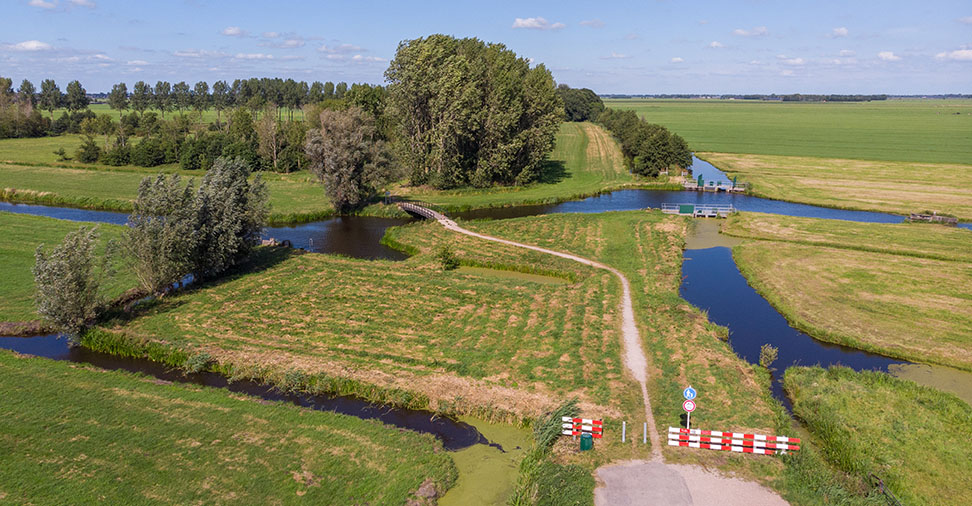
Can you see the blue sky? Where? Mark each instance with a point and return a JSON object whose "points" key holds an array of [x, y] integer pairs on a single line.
{"points": [[651, 46]]}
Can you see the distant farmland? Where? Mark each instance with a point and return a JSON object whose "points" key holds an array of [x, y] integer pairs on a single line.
{"points": [[936, 131]]}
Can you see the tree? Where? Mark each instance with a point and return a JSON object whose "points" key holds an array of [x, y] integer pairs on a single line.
{"points": [[647, 148], [328, 90], [68, 281], [347, 156], [181, 96], [468, 112], [228, 214], [118, 97], [200, 96], [269, 136], [6, 92], [221, 99], [50, 96], [141, 97], [580, 104], [159, 236], [76, 99], [27, 94], [340, 90], [163, 97], [315, 94]]}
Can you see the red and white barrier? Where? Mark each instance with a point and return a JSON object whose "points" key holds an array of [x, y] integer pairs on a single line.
{"points": [[578, 426], [731, 441]]}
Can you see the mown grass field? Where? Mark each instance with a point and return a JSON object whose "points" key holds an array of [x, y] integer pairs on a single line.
{"points": [[827, 279], [585, 161], [911, 239], [931, 131], [21, 235], [207, 116], [72, 434], [890, 187], [915, 438]]}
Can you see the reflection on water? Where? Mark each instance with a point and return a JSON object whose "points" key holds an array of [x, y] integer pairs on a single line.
{"points": [[455, 435], [353, 236], [705, 234]]}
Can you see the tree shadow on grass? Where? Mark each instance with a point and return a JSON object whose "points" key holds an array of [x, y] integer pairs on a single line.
{"points": [[552, 172]]}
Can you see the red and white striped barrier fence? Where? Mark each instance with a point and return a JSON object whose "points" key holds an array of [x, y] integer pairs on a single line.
{"points": [[732, 441], [578, 426]]}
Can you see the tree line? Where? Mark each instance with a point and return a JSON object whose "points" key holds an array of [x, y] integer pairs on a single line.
{"points": [[176, 230], [648, 148]]}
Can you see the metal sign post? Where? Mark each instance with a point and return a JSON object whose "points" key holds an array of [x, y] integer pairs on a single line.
{"points": [[689, 407]]}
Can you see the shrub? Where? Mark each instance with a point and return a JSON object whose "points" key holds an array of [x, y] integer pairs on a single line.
{"points": [[118, 155], [88, 152], [767, 355], [447, 258], [198, 362], [148, 153]]}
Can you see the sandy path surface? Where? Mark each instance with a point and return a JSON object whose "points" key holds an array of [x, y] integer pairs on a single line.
{"points": [[649, 482]]}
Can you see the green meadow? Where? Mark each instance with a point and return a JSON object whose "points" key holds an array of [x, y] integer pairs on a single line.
{"points": [[73, 434], [934, 131], [914, 438]]}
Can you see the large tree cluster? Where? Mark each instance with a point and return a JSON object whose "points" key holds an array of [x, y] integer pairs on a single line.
{"points": [[471, 113], [580, 104], [648, 148]]}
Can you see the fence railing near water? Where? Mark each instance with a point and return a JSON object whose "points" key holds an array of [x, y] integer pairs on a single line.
{"points": [[732, 441], [699, 210], [713, 186]]}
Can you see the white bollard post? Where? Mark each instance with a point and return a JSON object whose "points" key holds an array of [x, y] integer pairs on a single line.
{"points": [[644, 434], [624, 426]]}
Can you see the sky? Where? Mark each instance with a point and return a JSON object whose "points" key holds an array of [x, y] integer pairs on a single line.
{"points": [[646, 47]]}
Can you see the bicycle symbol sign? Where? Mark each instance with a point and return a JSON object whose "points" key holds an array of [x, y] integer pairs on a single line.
{"points": [[689, 393]]}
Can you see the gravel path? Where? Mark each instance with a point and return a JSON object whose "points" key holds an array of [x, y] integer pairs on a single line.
{"points": [[649, 482]]}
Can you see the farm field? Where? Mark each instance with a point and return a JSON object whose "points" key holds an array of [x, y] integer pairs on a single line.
{"points": [[928, 131], [207, 116], [586, 160], [72, 434], [913, 437], [21, 236], [911, 239], [892, 302], [890, 187]]}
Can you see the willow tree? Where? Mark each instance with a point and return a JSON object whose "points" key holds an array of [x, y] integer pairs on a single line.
{"points": [[471, 113]]}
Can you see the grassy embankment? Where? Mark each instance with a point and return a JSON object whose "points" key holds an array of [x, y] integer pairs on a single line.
{"points": [[915, 438], [585, 161], [77, 435], [930, 131], [21, 236], [900, 290]]}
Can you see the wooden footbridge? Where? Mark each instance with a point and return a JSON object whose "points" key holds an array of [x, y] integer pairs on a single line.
{"points": [[421, 210]]}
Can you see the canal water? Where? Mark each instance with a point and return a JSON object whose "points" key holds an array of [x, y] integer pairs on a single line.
{"points": [[455, 435]]}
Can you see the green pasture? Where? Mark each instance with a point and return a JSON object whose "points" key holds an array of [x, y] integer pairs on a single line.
{"points": [[936, 131], [899, 290], [203, 117], [21, 235], [73, 434], [914, 438]]}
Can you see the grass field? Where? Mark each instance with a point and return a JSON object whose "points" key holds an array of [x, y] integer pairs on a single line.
{"points": [[891, 187], [915, 438], [71, 434], [910, 239], [828, 280], [207, 116], [932, 131], [585, 161], [21, 236]]}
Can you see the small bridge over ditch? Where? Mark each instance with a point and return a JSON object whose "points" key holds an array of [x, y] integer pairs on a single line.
{"points": [[421, 210]]}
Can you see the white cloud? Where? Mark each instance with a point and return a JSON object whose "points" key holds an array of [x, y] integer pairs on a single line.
{"points": [[29, 45], [233, 31], [678, 59], [253, 56], [271, 35], [136, 62], [958, 55], [363, 58], [786, 73], [102, 57], [758, 31], [42, 4], [615, 56], [840, 31], [340, 49], [888, 56], [537, 23], [197, 53], [786, 60], [84, 3], [632, 36], [847, 52], [593, 23], [966, 20], [715, 44]]}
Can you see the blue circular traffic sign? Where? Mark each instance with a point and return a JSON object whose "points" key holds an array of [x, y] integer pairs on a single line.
{"points": [[689, 393]]}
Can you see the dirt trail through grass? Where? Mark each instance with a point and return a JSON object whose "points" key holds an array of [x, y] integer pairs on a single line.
{"points": [[634, 482]]}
